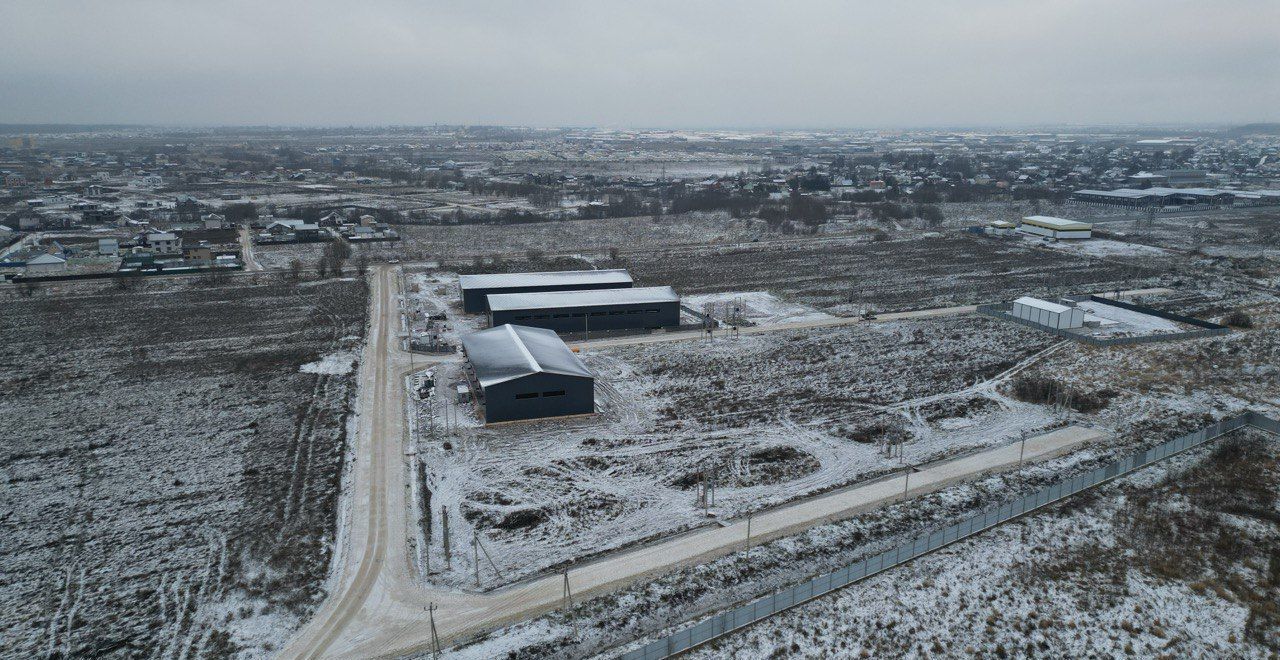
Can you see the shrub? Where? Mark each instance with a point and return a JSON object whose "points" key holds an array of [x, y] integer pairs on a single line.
{"points": [[1238, 319]]}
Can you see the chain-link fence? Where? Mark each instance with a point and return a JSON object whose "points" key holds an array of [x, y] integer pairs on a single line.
{"points": [[766, 606]]}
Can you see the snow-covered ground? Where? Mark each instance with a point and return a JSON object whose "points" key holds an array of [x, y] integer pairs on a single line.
{"points": [[757, 307], [1120, 322], [1100, 247], [542, 493], [1088, 578], [172, 463]]}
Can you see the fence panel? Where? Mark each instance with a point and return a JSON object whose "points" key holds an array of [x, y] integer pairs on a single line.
{"points": [[764, 607]]}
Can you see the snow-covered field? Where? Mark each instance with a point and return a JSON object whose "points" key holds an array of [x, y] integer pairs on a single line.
{"points": [[1171, 562], [756, 307], [846, 275], [1119, 322], [1157, 391], [462, 242], [171, 463], [1100, 247], [774, 417]]}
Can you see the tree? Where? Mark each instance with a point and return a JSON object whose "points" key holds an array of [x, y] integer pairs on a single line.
{"points": [[322, 266], [295, 269], [362, 264], [534, 255]]}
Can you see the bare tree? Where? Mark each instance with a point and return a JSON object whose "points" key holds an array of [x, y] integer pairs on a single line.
{"points": [[295, 269], [362, 264]]}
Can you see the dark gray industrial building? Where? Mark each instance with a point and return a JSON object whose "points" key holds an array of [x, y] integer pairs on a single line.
{"points": [[527, 373], [586, 311], [476, 288]]}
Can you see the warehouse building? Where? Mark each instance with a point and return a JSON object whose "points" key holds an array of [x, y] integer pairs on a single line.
{"points": [[526, 373], [587, 311], [1052, 315], [1159, 197], [476, 288], [1043, 225]]}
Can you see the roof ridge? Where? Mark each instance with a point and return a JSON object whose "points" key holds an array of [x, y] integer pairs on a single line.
{"points": [[524, 350]]}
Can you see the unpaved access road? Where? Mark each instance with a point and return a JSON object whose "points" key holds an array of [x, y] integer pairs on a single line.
{"points": [[377, 605]]}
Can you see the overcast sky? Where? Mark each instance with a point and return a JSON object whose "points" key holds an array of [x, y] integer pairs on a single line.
{"points": [[640, 63]]}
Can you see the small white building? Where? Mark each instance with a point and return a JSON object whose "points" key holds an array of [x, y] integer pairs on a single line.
{"points": [[46, 263], [1001, 228], [1043, 225], [108, 246], [1052, 315], [164, 242]]}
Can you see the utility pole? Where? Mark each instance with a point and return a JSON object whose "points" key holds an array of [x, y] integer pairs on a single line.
{"points": [[906, 482], [444, 521], [748, 533], [568, 593], [435, 637], [475, 553], [1022, 451]]}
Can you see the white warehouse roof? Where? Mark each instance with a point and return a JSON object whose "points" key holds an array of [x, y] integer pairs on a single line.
{"points": [[508, 352], [618, 276], [587, 298], [1060, 224], [1042, 304]]}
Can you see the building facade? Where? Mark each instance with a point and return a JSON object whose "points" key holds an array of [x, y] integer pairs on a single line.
{"points": [[586, 311]]}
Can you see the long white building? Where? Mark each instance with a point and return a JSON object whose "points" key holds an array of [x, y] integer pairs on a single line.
{"points": [[1052, 315], [1043, 225]]}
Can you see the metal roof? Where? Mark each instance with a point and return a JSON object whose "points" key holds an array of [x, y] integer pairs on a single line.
{"points": [[554, 278], [585, 298], [1049, 222], [1042, 304], [508, 352]]}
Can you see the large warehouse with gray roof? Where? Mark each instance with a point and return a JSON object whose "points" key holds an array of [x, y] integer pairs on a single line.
{"points": [[526, 373], [477, 288], [586, 311]]}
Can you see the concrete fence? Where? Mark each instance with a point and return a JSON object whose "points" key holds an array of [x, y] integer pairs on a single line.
{"points": [[766, 606]]}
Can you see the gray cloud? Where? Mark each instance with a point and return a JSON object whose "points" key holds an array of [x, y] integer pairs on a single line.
{"points": [[638, 63]]}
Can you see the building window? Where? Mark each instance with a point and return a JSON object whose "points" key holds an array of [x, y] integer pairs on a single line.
{"points": [[651, 311], [633, 311], [578, 315], [527, 395], [554, 393], [598, 313]]}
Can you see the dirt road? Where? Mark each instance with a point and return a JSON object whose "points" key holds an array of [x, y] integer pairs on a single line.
{"points": [[246, 248], [377, 603]]}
